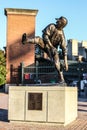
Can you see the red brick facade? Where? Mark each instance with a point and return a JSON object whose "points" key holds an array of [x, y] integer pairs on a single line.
{"points": [[19, 21]]}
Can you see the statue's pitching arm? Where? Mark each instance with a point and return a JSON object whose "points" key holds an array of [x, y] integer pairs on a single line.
{"points": [[65, 57]]}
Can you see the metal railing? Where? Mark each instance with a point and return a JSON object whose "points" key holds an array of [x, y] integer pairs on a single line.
{"points": [[48, 73], [36, 73]]}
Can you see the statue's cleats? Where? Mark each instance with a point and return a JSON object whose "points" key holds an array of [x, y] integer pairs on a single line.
{"points": [[24, 38]]}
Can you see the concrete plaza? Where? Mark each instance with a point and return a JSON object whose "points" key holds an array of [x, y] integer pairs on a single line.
{"points": [[79, 124]]}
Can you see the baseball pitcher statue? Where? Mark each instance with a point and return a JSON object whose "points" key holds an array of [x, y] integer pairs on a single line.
{"points": [[52, 37]]}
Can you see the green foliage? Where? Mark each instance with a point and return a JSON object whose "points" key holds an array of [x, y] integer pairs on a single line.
{"points": [[2, 68]]}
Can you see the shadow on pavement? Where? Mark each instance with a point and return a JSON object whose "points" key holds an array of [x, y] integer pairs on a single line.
{"points": [[4, 115]]}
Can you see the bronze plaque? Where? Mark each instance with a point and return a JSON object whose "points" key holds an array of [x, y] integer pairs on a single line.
{"points": [[34, 101]]}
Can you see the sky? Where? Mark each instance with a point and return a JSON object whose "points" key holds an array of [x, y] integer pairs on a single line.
{"points": [[74, 10]]}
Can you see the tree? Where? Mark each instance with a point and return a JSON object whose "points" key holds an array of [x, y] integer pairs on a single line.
{"points": [[2, 68]]}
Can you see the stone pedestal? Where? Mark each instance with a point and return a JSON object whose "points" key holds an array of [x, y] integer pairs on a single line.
{"points": [[50, 104]]}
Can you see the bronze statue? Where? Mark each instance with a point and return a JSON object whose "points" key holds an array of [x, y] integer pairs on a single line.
{"points": [[52, 37]]}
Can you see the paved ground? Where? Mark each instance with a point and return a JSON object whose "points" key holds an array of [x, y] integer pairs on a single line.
{"points": [[79, 124]]}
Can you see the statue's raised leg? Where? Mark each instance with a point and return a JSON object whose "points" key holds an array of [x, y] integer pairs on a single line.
{"points": [[37, 40]]}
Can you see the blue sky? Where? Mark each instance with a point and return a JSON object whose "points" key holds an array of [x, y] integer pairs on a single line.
{"points": [[74, 10]]}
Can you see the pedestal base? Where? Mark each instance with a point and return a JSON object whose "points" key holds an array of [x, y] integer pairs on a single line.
{"points": [[49, 104]]}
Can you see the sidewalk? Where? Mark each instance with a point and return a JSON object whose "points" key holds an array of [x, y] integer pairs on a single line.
{"points": [[79, 124]]}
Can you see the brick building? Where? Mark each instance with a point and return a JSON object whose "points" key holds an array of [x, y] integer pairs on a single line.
{"points": [[19, 21]]}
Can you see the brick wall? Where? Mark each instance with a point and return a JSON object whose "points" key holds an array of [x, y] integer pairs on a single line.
{"points": [[19, 21]]}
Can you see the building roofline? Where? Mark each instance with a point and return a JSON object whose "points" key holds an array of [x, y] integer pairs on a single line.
{"points": [[20, 11]]}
